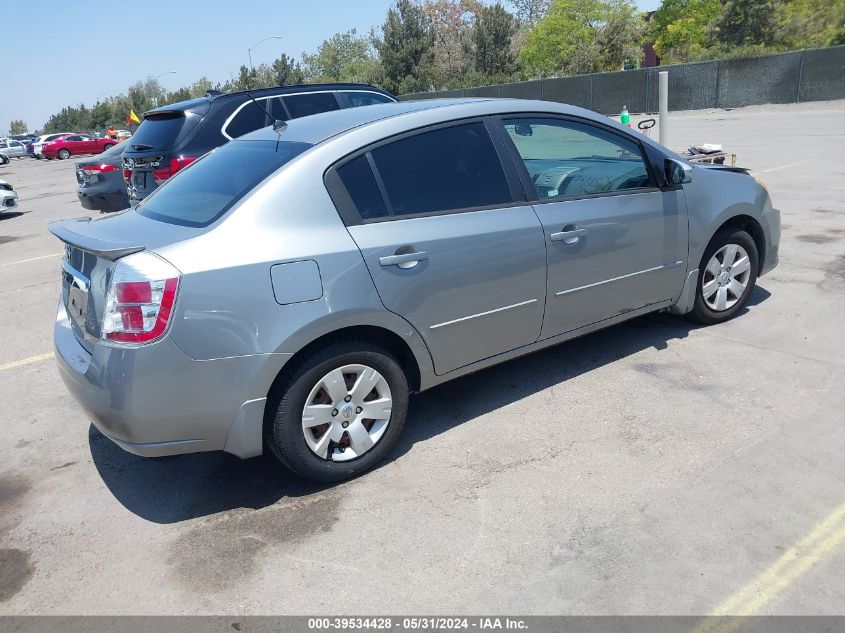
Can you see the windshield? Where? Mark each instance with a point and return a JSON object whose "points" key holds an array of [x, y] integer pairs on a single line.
{"points": [[203, 192]]}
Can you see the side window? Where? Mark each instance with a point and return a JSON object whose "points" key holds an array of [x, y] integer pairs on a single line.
{"points": [[357, 99], [360, 184], [73, 138], [310, 103], [445, 169], [277, 109], [250, 118], [566, 158]]}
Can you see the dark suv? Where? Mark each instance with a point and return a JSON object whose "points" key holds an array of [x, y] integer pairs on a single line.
{"points": [[173, 136]]}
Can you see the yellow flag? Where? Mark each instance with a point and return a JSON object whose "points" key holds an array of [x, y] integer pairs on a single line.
{"points": [[134, 117]]}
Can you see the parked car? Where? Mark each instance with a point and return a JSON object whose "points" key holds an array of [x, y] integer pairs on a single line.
{"points": [[100, 179], [122, 135], [294, 286], [173, 136], [8, 197], [12, 148], [38, 145], [76, 144]]}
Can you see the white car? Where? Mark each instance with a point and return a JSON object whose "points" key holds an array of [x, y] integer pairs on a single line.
{"points": [[8, 197], [37, 146]]}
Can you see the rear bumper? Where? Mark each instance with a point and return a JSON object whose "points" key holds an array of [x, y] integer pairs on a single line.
{"points": [[771, 230], [108, 202], [154, 400]]}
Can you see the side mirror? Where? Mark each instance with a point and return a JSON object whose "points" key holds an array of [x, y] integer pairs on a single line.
{"points": [[523, 129], [677, 173]]}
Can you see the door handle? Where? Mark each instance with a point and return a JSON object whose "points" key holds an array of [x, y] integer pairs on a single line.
{"points": [[405, 260], [569, 237]]}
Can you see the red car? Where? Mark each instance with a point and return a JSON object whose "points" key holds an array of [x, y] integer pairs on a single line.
{"points": [[67, 146]]}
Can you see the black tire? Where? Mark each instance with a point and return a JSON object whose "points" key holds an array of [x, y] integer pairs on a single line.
{"points": [[283, 422], [703, 313], [63, 154], [4, 160], [108, 146]]}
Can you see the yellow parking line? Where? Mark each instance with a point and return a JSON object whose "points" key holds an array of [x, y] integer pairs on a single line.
{"points": [[26, 361], [780, 575], [31, 259]]}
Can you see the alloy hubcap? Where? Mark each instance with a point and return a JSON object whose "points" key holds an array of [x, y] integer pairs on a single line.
{"points": [[346, 413], [726, 277]]}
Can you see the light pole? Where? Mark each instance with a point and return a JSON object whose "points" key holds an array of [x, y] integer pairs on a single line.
{"points": [[155, 79], [249, 50]]}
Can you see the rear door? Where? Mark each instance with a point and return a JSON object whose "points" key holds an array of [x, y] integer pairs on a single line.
{"points": [[448, 243], [615, 241]]}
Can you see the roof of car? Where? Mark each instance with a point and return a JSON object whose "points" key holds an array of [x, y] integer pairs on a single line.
{"points": [[320, 127], [212, 96]]}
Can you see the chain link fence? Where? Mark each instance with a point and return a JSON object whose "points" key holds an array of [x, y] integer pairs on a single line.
{"points": [[809, 75]]}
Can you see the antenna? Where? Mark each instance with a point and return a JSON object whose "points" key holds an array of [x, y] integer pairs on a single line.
{"points": [[277, 124]]}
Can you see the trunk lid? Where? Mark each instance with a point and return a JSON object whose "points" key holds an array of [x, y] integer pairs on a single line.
{"points": [[92, 246]]}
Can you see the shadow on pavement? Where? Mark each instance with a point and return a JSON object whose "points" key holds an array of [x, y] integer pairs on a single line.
{"points": [[173, 489]]}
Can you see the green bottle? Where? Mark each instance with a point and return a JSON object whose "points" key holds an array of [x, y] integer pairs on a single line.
{"points": [[626, 118]]}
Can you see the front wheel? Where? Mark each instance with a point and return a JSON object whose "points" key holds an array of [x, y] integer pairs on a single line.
{"points": [[64, 154], [340, 411], [726, 277]]}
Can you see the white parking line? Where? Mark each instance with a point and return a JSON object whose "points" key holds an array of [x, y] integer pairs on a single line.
{"points": [[787, 166], [31, 259]]}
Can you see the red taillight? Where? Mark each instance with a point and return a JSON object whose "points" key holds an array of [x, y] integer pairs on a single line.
{"points": [[176, 163], [99, 168], [127, 174], [134, 292], [140, 299], [132, 323]]}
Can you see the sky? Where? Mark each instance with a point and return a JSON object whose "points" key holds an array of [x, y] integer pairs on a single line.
{"points": [[78, 51]]}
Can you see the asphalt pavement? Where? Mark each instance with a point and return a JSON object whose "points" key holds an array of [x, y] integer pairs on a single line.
{"points": [[657, 467]]}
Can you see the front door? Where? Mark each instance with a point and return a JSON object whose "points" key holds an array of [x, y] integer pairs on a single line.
{"points": [[446, 241], [615, 241]]}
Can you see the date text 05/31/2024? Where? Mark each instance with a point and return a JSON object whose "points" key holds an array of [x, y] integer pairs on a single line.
{"points": [[417, 623]]}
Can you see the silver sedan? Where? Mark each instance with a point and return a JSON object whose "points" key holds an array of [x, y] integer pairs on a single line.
{"points": [[291, 288]]}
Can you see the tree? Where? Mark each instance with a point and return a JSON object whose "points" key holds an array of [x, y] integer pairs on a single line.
{"points": [[287, 71], [680, 29], [17, 126], [529, 12], [743, 23], [812, 23], [338, 58], [620, 38], [570, 38], [451, 22], [490, 43], [406, 48]]}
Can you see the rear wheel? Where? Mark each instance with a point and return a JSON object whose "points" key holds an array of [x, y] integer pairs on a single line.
{"points": [[726, 277], [4, 160], [108, 146], [64, 154], [340, 411]]}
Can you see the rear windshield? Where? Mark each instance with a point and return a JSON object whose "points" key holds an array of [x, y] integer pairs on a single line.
{"points": [[203, 192], [160, 131]]}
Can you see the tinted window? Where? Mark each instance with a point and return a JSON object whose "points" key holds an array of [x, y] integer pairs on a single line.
{"points": [[360, 184], [310, 103], [566, 158], [250, 118], [366, 98], [160, 131], [277, 109], [73, 138], [450, 168], [205, 190]]}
